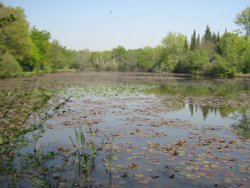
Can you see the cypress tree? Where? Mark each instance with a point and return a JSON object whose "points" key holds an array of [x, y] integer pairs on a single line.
{"points": [[214, 38], [225, 32], [218, 38], [193, 41], [186, 44], [198, 42], [208, 34], [217, 48]]}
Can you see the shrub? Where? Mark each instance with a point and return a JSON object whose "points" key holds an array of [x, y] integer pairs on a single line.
{"points": [[9, 67], [219, 68], [245, 62], [192, 63]]}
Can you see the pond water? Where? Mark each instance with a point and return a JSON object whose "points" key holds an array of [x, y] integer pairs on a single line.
{"points": [[124, 129]]}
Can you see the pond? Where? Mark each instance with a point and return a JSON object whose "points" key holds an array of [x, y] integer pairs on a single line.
{"points": [[124, 129]]}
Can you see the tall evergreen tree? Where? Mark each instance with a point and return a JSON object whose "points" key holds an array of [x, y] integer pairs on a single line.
{"points": [[198, 42], [218, 37], [208, 34], [217, 43], [213, 37], [186, 44], [193, 41]]}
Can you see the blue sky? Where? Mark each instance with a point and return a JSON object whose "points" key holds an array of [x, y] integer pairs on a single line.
{"points": [[105, 24]]}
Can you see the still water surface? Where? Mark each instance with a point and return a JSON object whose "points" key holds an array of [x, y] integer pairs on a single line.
{"points": [[135, 130]]}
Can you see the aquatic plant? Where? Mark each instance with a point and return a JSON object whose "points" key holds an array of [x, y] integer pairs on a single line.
{"points": [[83, 154]]}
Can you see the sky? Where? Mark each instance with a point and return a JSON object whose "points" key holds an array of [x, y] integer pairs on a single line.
{"points": [[100, 25]]}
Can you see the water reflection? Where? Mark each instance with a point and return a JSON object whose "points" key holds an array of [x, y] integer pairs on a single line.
{"points": [[243, 124], [225, 88], [212, 103], [223, 112]]}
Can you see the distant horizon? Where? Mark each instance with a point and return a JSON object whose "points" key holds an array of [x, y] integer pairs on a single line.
{"points": [[102, 26]]}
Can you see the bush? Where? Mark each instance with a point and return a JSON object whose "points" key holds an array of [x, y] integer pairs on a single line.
{"points": [[9, 67], [219, 68], [111, 66], [245, 62], [192, 63]]}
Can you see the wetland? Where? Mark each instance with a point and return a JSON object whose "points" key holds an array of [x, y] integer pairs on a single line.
{"points": [[110, 129]]}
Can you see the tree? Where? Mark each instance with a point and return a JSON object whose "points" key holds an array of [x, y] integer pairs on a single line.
{"points": [[232, 47], [192, 63], [56, 56], [41, 41], [208, 34], [186, 44], [243, 20], [219, 68], [208, 42], [198, 42], [193, 41], [174, 42], [6, 20], [82, 59], [119, 54], [145, 59], [245, 61], [14, 36]]}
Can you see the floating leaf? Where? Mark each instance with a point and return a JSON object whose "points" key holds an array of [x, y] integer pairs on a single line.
{"points": [[139, 175], [144, 181], [133, 165]]}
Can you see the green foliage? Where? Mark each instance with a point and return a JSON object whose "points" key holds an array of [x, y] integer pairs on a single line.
{"points": [[9, 67], [192, 63], [41, 40], [232, 48], [41, 48], [243, 20], [209, 42], [103, 61], [119, 54], [219, 68], [56, 56], [78, 60], [175, 42], [175, 46], [193, 44], [208, 34], [15, 35], [245, 61], [145, 59], [6, 20]]}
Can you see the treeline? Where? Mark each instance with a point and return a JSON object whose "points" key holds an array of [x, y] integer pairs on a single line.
{"points": [[209, 55], [24, 49]]}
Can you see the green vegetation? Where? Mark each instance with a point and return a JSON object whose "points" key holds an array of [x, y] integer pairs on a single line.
{"points": [[83, 153], [9, 66], [243, 20], [24, 50], [27, 50]]}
